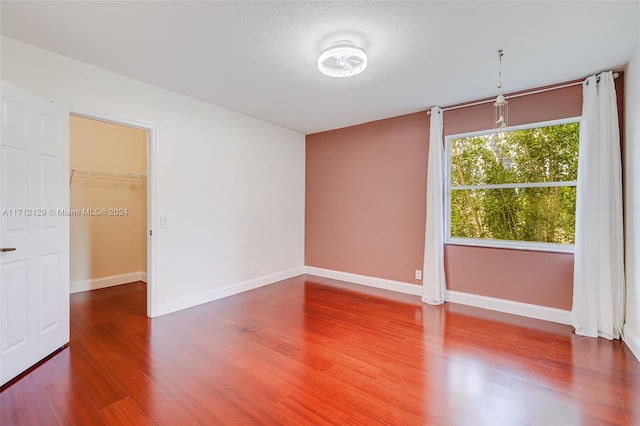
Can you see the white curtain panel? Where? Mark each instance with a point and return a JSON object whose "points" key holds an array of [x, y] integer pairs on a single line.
{"points": [[598, 287], [433, 279]]}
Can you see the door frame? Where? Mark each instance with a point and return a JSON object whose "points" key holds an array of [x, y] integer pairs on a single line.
{"points": [[151, 196]]}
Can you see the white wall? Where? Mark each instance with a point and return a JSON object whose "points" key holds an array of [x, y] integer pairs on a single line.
{"points": [[632, 203], [231, 187]]}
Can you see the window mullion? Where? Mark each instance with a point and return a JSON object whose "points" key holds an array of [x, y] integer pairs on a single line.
{"points": [[517, 185]]}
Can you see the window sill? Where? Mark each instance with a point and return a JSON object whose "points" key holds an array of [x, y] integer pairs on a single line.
{"points": [[512, 245]]}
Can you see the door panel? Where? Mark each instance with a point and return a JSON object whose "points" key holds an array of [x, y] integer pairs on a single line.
{"points": [[50, 289], [14, 304], [49, 166], [14, 188], [34, 191]]}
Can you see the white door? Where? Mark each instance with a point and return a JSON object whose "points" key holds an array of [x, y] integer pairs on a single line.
{"points": [[34, 192]]}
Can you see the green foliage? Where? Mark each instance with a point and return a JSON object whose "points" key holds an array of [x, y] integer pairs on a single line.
{"points": [[542, 214]]}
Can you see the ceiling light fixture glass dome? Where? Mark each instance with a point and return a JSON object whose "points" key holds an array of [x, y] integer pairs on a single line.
{"points": [[342, 59]]}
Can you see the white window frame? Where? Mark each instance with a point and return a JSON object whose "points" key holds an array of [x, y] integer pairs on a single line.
{"points": [[504, 244]]}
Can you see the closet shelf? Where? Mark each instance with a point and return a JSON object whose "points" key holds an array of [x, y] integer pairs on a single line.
{"points": [[134, 175]]}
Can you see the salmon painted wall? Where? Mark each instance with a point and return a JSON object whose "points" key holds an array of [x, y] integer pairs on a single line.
{"points": [[365, 205], [365, 198]]}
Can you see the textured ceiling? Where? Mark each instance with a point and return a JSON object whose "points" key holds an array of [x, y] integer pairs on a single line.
{"points": [[259, 58]]}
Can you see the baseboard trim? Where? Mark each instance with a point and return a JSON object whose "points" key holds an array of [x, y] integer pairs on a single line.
{"points": [[230, 290], [110, 281], [632, 340], [491, 303], [510, 307], [385, 284]]}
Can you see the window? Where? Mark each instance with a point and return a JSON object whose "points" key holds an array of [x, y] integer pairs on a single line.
{"points": [[513, 189]]}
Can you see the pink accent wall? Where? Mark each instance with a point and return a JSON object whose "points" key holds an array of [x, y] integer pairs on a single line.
{"points": [[552, 105], [539, 278], [536, 277], [365, 204], [365, 198]]}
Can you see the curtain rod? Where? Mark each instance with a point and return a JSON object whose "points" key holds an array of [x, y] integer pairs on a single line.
{"points": [[533, 92]]}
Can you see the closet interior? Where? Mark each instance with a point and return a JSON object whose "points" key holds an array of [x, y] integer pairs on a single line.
{"points": [[108, 204]]}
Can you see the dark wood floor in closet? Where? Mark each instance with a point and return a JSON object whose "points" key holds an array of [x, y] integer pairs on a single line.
{"points": [[315, 351]]}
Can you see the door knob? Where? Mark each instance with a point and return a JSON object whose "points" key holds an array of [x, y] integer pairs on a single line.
{"points": [[6, 249]]}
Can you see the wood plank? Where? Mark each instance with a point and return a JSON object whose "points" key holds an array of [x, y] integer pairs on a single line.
{"points": [[124, 412]]}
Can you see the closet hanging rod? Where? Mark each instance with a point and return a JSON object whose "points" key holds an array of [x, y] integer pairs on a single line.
{"points": [[134, 175]]}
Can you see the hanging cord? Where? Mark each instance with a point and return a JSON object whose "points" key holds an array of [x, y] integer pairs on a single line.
{"points": [[500, 55]]}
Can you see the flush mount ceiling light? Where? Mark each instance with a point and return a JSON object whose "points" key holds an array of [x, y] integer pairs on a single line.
{"points": [[342, 59]]}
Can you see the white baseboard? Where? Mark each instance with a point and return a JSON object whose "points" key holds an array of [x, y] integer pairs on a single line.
{"points": [[219, 293], [492, 303], [510, 307], [632, 340], [397, 286], [96, 283]]}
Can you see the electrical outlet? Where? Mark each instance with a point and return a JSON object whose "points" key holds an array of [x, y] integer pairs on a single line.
{"points": [[418, 274]]}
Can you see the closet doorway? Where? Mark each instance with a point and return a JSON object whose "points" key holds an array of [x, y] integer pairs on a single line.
{"points": [[108, 204]]}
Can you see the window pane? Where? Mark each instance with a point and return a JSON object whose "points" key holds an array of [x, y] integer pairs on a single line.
{"points": [[544, 154], [521, 214]]}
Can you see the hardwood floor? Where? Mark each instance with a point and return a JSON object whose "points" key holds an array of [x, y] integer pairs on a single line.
{"points": [[315, 351]]}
